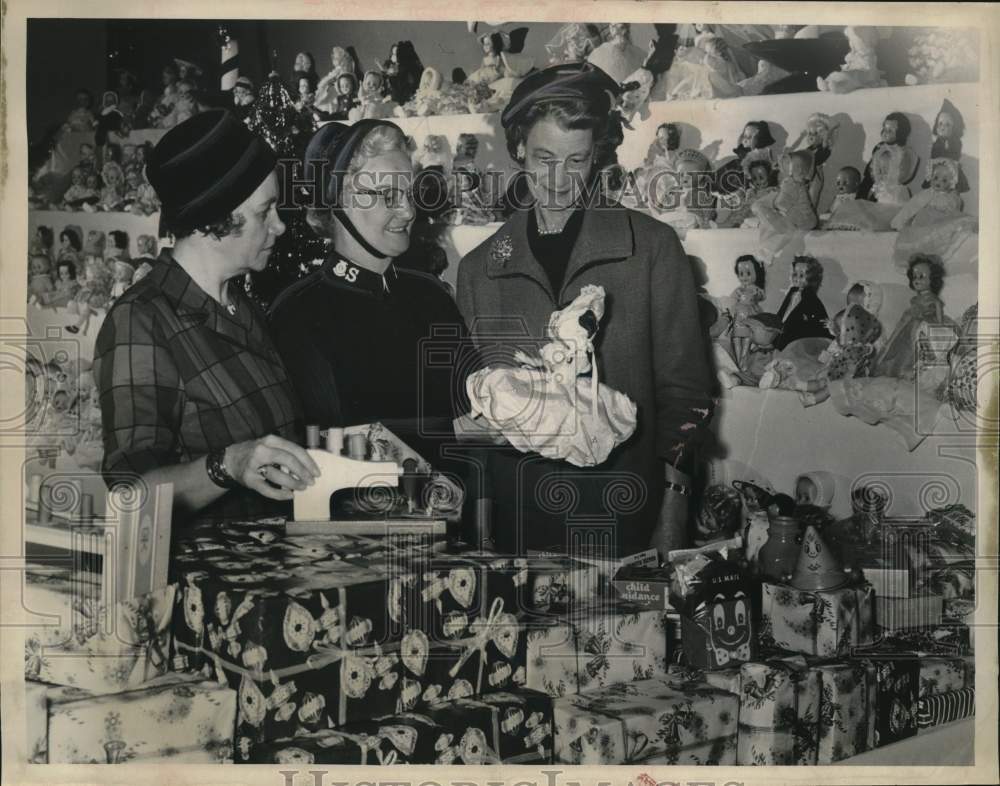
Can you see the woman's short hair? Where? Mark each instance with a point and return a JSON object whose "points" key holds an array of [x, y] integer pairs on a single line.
{"points": [[571, 114]]}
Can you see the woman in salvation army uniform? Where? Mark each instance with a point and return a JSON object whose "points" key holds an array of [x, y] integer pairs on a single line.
{"points": [[363, 340]]}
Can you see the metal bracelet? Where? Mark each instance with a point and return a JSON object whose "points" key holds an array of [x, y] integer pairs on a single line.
{"points": [[684, 491], [215, 466]]}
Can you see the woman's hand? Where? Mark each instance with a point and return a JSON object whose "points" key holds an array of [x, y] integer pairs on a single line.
{"points": [[271, 466]]}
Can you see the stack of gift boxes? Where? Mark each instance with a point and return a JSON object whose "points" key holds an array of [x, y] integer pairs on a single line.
{"points": [[274, 648]]}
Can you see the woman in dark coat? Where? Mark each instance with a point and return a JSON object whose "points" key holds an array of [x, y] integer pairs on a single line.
{"points": [[561, 131]]}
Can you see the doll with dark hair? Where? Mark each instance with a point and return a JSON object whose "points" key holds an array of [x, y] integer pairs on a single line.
{"points": [[403, 70], [70, 244], [754, 145], [894, 135], [802, 312], [305, 66], [949, 127], [898, 358], [663, 149], [747, 298], [345, 96]]}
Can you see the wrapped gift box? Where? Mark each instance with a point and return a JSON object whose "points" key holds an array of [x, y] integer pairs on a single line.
{"points": [[944, 675], [826, 624], [552, 658], [509, 728], [779, 710], [105, 648], [897, 677], [918, 611], [176, 719], [618, 642], [946, 707], [846, 710], [658, 721], [944, 639], [603, 561]]}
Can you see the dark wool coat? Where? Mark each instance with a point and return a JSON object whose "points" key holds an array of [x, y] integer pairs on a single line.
{"points": [[649, 346]]}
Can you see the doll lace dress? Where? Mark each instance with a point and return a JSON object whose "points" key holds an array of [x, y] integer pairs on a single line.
{"points": [[933, 223], [899, 356], [547, 407]]}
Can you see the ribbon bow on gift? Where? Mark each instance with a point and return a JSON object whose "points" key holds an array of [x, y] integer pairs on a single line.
{"points": [[487, 630]]}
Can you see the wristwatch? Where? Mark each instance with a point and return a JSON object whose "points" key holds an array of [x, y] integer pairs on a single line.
{"points": [[684, 491], [215, 465]]}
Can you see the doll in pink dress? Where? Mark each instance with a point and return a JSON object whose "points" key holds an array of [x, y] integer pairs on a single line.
{"points": [[790, 210], [899, 356], [932, 222], [747, 298]]}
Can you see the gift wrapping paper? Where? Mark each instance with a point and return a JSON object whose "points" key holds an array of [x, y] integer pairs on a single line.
{"points": [[506, 727], [177, 719], [779, 712], [552, 657], [658, 721], [945, 639], [943, 675], [618, 642], [105, 648], [897, 679], [918, 611], [946, 707], [846, 710], [825, 624], [36, 722]]}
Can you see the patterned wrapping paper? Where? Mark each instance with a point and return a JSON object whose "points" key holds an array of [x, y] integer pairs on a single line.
{"points": [[945, 708], [618, 643], [101, 648], [825, 624], [486, 655], [847, 710], [36, 722], [779, 712], [508, 727], [658, 721], [945, 639], [943, 675], [552, 658], [177, 719], [897, 678]]}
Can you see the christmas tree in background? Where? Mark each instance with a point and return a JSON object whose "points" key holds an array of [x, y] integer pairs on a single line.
{"points": [[287, 131]]}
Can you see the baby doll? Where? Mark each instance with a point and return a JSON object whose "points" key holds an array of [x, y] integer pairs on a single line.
{"points": [[860, 68], [663, 149], [146, 201], [747, 298], [818, 137], [869, 296], [765, 330], [82, 118], [899, 356], [853, 350], [70, 244], [373, 103], [573, 43], [847, 182], [66, 285], [113, 192], [116, 246], [802, 313], [635, 98], [428, 97], [494, 45], [949, 127], [707, 70], [345, 96], [88, 158], [306, 94], [618, 56], [40, 281], [902, 163], [932, 221], [760, 184], [78, 192], [434, 153], [42, 242], [683, 198], [754, 145], [122, 274], [342, 62], [789, 210]]}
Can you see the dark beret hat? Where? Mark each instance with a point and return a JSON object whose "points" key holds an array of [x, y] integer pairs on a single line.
{"points": [[205, 167], [570, 81]]}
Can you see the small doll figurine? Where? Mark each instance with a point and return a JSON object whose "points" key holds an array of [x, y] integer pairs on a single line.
{"points": [[747, 298], [706, 70], [635, 97], [760, 184], [932, 221], [573, 43], [818, 137], [82, 119], [346, 97], [146, 201], [116, 245], [307, 93], [789, 210], [502, 55], [40, 284], [185, 106], [405, 71], [133, 181], [894, 135], [663, 150], [428, 97], [765, 330], [42, 242], [683, 198], [847, 182], [122, 274], [243, 97], [147, 256], [860, 68], [719, 515], [305, 65], [77, 191], [92, 195], [373, 103], [70, 244], [852, 352], [802, 313], [949, 127], [434, 153], [869, 296], [110, 119], [618, 56], [899, 358], [88, 157], [342, 62], [113, 192], [66, 285], [128, 156]]}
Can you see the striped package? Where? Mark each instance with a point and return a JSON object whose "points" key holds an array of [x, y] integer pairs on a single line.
{"points": [[946, 707]]}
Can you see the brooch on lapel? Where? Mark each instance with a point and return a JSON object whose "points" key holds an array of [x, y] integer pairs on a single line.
{"points": [[502, 250]]}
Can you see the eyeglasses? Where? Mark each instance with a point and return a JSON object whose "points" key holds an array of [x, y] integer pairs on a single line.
{"points": [[392, 198]]}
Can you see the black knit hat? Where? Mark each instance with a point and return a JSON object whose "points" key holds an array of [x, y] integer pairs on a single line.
{"points": [[206, 167]]}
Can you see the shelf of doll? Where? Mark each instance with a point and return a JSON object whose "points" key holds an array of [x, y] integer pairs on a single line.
{"points": [[772, 431], [129, 223]]}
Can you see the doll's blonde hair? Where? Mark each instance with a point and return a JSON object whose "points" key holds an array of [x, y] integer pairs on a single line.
{"points": [[948, 164]]}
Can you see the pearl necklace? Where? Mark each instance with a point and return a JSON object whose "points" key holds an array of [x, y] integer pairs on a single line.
{"points": [[549, 231]]}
